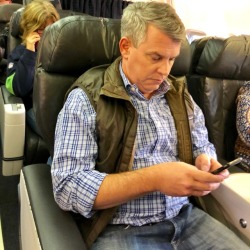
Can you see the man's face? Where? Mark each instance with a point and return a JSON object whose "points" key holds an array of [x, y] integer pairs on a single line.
{"points": [[150, 63]]}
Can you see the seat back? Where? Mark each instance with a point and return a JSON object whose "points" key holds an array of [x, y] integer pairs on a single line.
{"points": [[69, 48], [97, 8], [35, 148], [219, 68], [14, 32], [56, 3], [6, 11], [31, 147]]}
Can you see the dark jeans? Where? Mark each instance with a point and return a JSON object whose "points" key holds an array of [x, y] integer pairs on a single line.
{"points": [[192, 229]]}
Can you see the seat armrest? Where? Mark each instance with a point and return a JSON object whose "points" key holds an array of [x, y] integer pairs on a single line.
{"points": [[12, 124], [55, 228], [9, 98], [233, 200]]}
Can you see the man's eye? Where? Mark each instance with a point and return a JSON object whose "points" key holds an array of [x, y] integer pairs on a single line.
{"points": [[156, 58]]}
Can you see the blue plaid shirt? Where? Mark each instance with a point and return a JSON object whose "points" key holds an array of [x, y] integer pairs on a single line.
{"points": [[75, 180]]}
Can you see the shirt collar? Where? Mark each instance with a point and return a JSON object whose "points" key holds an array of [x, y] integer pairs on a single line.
{"points": [[132, 88]]}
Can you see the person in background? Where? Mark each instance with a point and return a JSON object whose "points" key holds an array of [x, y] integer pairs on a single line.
{"points": [[36, 16], [3, 35], [118, 157], [5, 2], [242, 146]]}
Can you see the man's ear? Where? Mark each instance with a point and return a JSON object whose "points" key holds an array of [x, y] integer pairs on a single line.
{"points": [[125, 45]]}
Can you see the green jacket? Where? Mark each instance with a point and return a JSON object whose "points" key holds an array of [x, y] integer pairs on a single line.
{"points": [[117, 126]]}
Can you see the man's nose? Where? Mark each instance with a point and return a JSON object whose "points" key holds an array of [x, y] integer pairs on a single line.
{"points": [[165, 68]]}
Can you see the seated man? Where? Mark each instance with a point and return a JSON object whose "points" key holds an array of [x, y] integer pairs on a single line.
{"points": [[242, 146], [124, 157]]}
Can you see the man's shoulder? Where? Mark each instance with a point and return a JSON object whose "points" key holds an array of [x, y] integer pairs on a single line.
{"points": [[77, 99]]}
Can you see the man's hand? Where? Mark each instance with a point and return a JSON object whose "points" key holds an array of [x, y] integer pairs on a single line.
{"points": [[182, 179], [205, 163]]}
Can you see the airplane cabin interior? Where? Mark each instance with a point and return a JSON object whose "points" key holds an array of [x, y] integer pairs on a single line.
{"points": [[214, 61]]}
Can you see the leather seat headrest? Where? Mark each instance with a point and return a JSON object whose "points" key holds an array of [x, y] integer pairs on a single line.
{"points": [[182, 62], [226, 58], [67, 39], [6, 11], [15, 23]]}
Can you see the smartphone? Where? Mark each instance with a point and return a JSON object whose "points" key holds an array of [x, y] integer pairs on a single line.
{"points": [[226, 166]]}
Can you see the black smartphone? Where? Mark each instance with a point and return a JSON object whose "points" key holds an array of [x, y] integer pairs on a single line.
{"points": [[228, 165]]}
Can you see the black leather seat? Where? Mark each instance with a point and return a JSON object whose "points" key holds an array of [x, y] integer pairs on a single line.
{"points": [[32, 148], [219, 68], [6, 11], [68, 48]]}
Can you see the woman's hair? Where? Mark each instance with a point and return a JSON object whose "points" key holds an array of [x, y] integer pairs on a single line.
{"points": [[35, 15], [137, 16]]}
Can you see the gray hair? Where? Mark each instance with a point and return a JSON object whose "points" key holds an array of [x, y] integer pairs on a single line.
{"points": [[137, 16]]}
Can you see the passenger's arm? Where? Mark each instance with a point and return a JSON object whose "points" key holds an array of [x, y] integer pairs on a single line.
{"points": [[75, 180], [243, 117], [173, 179], [20, 71]]}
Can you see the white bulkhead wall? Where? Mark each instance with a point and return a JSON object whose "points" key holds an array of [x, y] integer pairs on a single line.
{"points": [[219, 18]]}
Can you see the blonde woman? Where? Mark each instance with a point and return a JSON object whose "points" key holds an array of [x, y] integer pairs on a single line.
{"points": [[36, 16]]}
